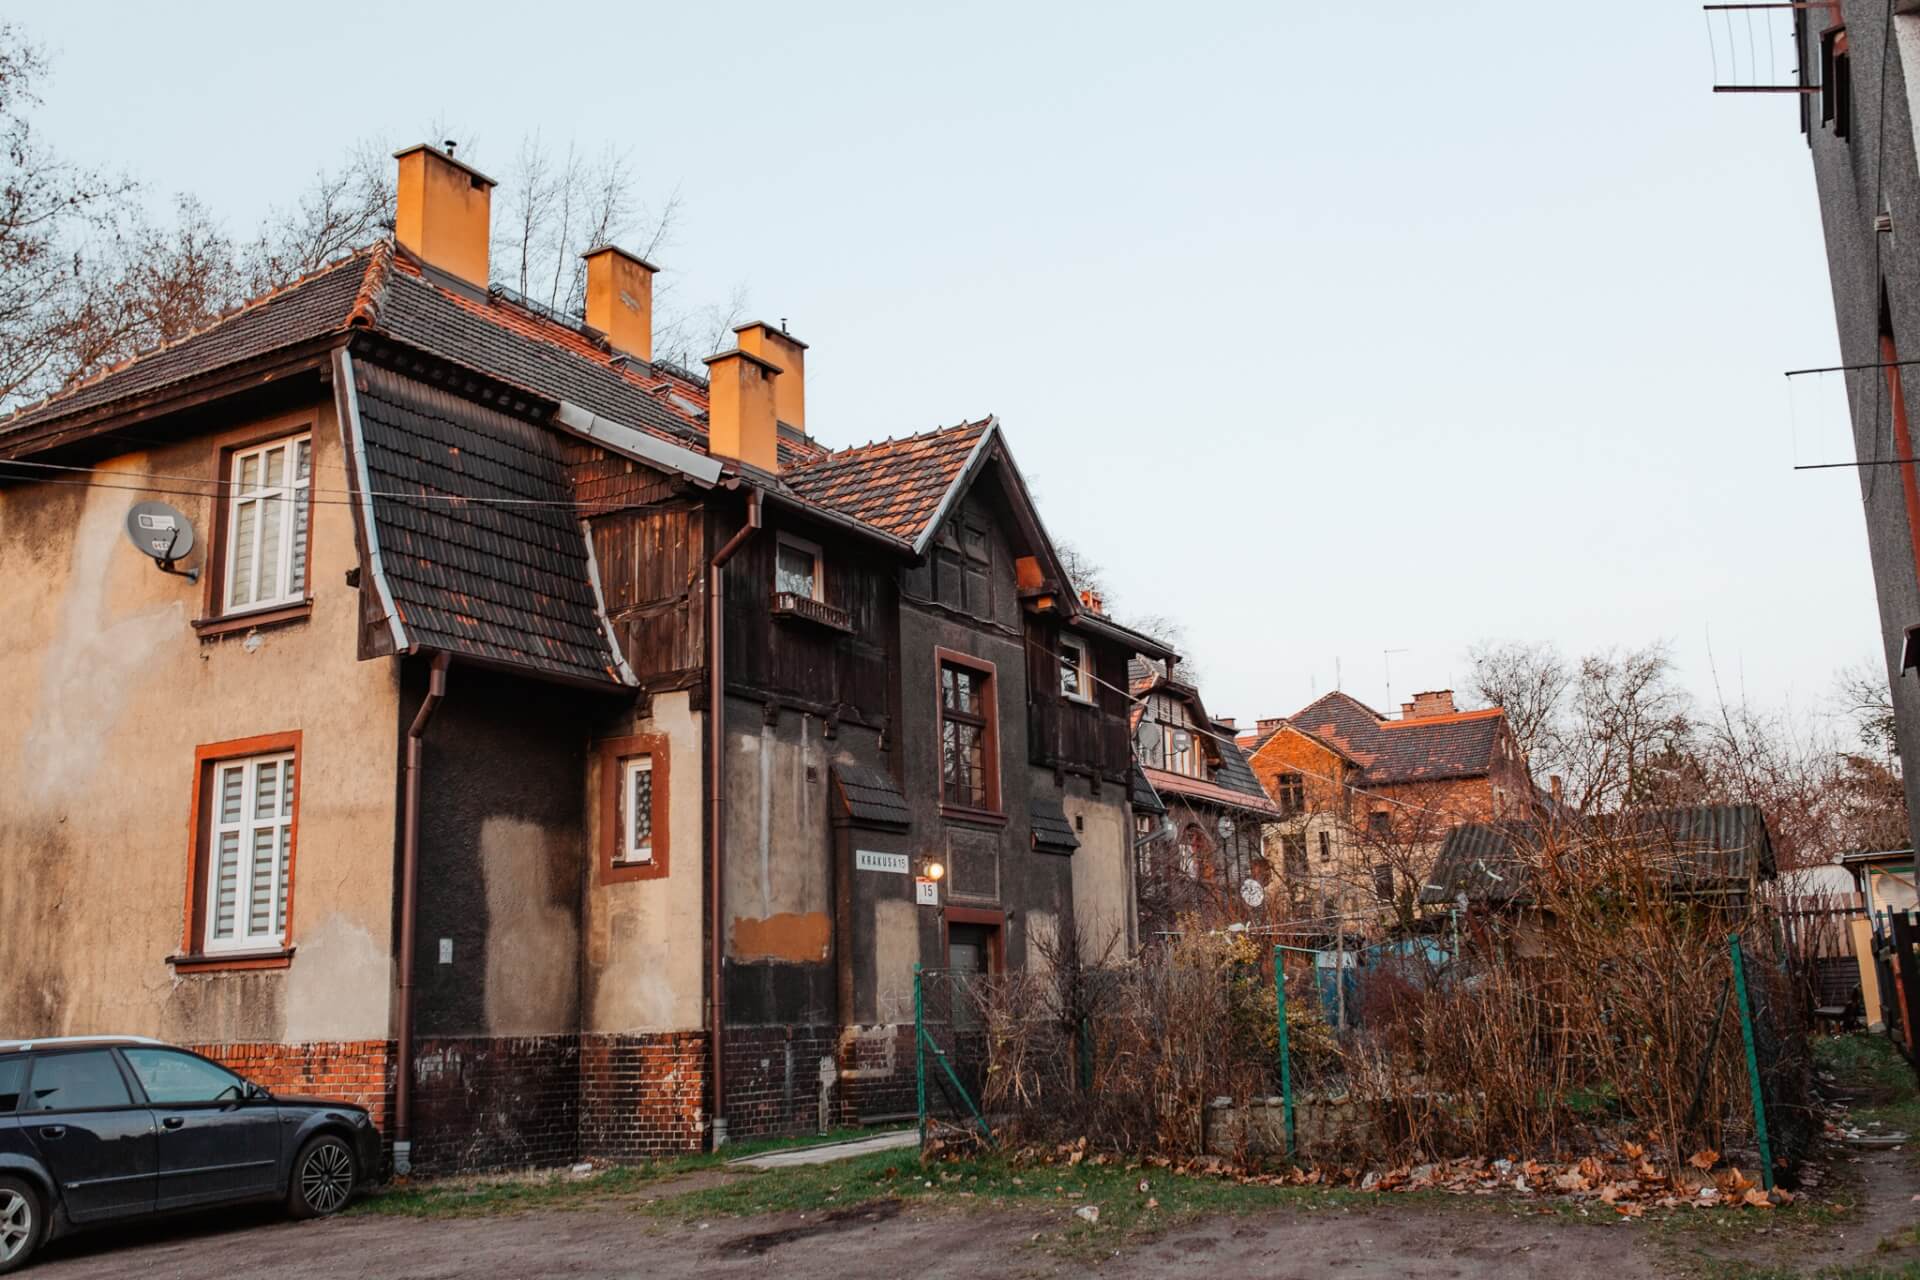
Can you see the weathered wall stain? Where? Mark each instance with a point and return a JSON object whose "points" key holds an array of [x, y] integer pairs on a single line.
{"points": [[532, 876], [788, 935]]}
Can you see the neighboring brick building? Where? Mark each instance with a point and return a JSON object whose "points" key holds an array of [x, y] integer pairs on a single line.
{"points": [[1366, 799]]}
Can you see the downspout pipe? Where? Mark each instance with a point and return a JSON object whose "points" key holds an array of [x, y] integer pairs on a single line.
{"points": [[717, 809], [409, 880]]}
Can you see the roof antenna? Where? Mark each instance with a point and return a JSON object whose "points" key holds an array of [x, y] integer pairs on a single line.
{"points": [[450, 144], [1386, 657]]}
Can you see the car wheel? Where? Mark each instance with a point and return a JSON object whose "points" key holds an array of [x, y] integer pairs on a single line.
{"points": [[23, 1223], [323, 1178]]}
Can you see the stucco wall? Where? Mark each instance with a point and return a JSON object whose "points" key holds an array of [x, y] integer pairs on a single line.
{"points": [[106, 694], [645, 958], [1103, 891]]}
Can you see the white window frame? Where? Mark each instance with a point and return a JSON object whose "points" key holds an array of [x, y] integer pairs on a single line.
{"points": [[245, 829], [1084, 691], [632, 853], [805, 547], [294, 508]]}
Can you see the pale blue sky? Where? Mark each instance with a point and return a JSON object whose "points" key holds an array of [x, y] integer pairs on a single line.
{"points": [[1327, 328]]}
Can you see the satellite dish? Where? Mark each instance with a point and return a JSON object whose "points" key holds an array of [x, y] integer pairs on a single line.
{"points": [[1182, 740], [1251, 892], [1225, 826], [1147, 736], [163, 532]]}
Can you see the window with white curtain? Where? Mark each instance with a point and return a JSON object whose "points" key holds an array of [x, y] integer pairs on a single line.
{"points": [[636, 810], [249, 852], [267, 513]]}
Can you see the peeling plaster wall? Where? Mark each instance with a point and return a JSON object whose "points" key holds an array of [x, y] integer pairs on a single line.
{"points": [[1103, 892], [105, 695], [645, 958]]}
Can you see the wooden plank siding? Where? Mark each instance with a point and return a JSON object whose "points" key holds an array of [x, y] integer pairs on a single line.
{"points": [[801, 663], [1070, 735], [653, 577]]}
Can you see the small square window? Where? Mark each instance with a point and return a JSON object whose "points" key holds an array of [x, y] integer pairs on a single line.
{"points": [[796, 569], [1290, 792], [636, 811], [1076, 671]]}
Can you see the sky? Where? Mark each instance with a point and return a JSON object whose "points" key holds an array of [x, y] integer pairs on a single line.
{"points": [[1330, 330]]}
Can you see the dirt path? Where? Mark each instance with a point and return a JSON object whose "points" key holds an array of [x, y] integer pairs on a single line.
{"points": [[886, 1238]]}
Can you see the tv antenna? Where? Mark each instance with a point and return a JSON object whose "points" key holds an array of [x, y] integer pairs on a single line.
{"points": [[1386, 658]]}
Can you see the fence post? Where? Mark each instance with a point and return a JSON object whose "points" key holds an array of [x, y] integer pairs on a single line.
{"points": [[1086, 1055], [920, 1052], [1753, 1061], [1286, 1053]]}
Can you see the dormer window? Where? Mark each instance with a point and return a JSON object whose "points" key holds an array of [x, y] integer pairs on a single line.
{"points": [[797, 569], [1076, 670]]}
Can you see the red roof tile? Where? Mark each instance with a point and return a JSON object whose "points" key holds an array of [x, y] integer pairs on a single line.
{"points": [[896, 486], [1418, 749]]}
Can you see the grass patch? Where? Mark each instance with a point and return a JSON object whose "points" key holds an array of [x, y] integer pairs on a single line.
{"points": [[1870, 1067]]}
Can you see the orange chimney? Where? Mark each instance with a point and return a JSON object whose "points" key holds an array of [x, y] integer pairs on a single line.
{"points": [[1438, 702], [441, 213], [620, 299], [740, 416], [788, 352], [1093, 601]]}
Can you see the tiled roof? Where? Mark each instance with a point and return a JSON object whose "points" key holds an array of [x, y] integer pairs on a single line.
{"points": [[1180, 784], [896, 486], [871, 797], [1052, 833], [502, 581], [1141, 795], [310, 307], [1421, 749]]}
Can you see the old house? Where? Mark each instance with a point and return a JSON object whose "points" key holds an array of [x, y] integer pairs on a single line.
{"points": [[1366, 799], [1198, 809], [561, 751]]}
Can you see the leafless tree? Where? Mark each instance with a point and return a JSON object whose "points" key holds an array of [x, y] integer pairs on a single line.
{"points": [[1527, 681], [48, 208]]}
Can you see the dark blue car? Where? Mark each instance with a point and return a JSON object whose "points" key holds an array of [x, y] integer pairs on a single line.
{"points": [[100, 1130]]}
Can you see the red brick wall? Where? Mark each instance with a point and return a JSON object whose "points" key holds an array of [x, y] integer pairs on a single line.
{"points": [[642, 1095], [357, 1071], [495, 1102]]}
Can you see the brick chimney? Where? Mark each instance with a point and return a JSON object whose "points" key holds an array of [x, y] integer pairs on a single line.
{"points": [[620, 299], [1225, 722], [441, 212], [1269, 724], [740, 415], [1093, 601], [789, 354], [1438, 702]]}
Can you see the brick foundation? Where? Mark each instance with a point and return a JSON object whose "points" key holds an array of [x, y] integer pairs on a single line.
{"points": [[495, 1102], [503, 1102], [642, 1095], [356, 1071], [773, 1080]]}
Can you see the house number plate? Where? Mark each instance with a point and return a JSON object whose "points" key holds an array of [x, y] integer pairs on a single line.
{"points": [[865, 860]]}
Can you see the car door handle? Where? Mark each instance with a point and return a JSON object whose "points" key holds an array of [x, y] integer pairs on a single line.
{"points": [[173, 1122], [54, 1131]]}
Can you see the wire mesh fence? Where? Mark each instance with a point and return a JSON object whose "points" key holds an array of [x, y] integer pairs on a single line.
{"points": [[1521, 1041]]}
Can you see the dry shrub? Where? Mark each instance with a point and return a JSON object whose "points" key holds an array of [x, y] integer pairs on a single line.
{"points": [[1596, 1010]]}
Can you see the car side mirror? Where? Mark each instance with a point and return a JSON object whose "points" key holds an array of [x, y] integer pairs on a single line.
{"points": [[255, 1093]]}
